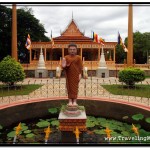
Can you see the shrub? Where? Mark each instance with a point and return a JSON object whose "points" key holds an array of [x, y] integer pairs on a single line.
{"points": [[131, 75], [11, 71]]}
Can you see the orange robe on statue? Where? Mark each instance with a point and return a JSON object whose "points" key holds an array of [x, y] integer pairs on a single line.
{"points": [[73, 69]]}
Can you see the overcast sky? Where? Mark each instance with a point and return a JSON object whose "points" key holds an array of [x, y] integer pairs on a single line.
{"points": [[106, 21]]}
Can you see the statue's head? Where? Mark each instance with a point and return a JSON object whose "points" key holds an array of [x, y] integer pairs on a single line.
{"points": [[72, 49]]}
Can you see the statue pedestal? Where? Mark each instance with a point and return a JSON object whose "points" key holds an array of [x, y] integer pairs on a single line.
{"points": [[72, 116]]}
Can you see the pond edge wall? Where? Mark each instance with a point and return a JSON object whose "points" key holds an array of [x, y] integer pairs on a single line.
{"points": [[101, 107]]}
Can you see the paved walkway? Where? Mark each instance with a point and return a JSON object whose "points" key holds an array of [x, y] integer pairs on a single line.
{"points": [[90, 88]]}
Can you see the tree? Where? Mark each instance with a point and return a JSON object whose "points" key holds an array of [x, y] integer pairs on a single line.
{"points": [[5, 31], [26, 24], [120, 54], [141, 46], [11, 71], [131, 75]]}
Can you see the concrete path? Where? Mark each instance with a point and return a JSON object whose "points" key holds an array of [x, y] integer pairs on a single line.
{"points": [[89, 88]]}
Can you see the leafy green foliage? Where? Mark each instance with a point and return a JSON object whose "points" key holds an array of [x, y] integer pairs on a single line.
{"points": [[55, 123], [30, 135], [27, 131], [23, 127], [147, 120], [138, 117], [100, 131], [26, 24], [11, 134], [143, 133], [97, 127], [90, 124], [53, 110], [120, 54], [131, 75], [125, 133], [11, 71], [42, 124]]}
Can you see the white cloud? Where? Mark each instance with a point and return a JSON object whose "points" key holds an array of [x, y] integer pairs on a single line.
{"points": [[104, 20]]}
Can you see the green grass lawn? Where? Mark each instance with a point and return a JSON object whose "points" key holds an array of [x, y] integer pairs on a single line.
{"points": [[138, 90], [19, 90], [147, 76]]}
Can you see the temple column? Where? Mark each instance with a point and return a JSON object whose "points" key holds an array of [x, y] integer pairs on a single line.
{"points": [[14, 33], [114, 58], [30, 56], [51, 54], [130, 37], [110, 58], [45, 54], [81, 52], [63, 52]]}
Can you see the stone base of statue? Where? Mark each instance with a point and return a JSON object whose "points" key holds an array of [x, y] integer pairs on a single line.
{"points": [[102, 72], [72, 111], [72, 116]]}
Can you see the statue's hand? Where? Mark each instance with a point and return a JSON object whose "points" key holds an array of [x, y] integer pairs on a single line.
{"points": [[63, 63]]}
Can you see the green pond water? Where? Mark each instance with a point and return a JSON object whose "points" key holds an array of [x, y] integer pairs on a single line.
{"points": [[33, 132]]}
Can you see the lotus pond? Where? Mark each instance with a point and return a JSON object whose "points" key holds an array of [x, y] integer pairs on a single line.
{"points": [[32, 131]]}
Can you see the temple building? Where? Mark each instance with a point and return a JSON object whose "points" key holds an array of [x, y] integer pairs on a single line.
{"points": [[89, 50]]}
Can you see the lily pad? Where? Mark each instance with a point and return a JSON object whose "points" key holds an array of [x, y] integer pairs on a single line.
{"points": [[23, 127], [138, 125], [147, 120], [90, 124], [1, 127], [143, 133], [53, 110], [99, 131], [91, 118], [138, 117], [55, 123], [11, 134], [116, 123], [41, 120], [52, 119], [31, 135], [125, 133], [23, 124], [27, 131], [101, 120], [42, 124]]}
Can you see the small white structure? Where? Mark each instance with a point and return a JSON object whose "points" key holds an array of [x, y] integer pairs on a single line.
{"points": [[41, 71], [102, 70]]}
